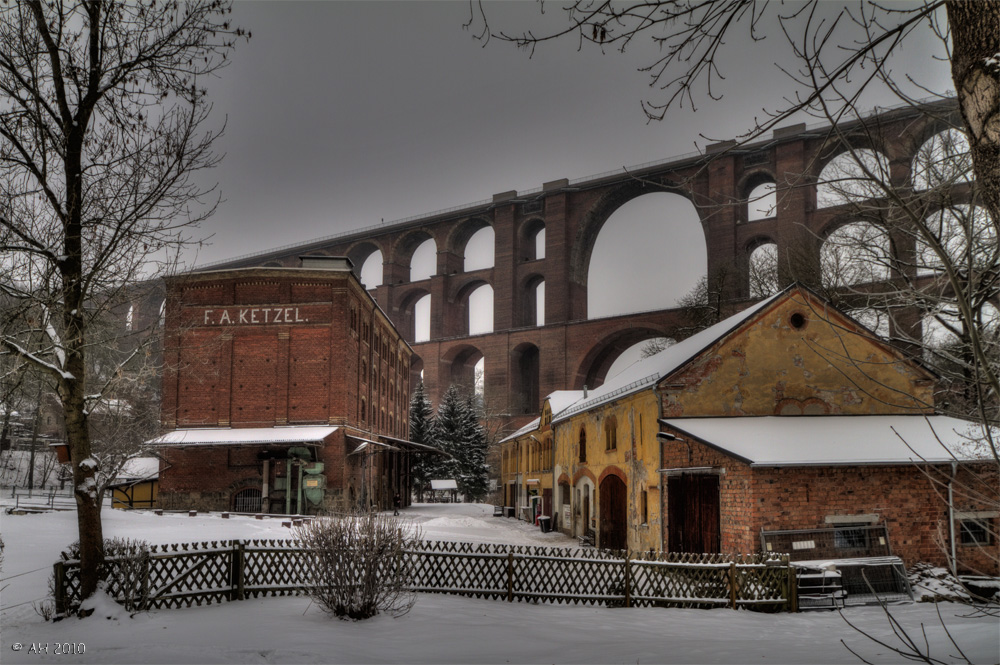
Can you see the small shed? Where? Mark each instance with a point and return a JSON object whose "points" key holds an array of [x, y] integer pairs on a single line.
{"points": [[444, 491], [137, 484]]}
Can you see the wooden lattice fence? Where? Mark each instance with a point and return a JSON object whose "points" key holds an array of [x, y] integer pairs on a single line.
{"points": [[218, 571]]}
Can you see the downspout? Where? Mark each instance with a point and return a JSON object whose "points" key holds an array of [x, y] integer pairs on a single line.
{"points": [[266, 489], [299, 497], [288, 486], [951, 517]]}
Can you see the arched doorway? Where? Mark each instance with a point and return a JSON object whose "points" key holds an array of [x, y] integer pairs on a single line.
{"points": [[614, 514]]}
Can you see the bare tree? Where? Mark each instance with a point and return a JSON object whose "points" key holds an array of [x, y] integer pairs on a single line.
{"points": [[103, 142]]}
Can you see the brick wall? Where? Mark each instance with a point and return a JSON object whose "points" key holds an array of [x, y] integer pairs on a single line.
{"points": [[265, 348], [909, 500]]}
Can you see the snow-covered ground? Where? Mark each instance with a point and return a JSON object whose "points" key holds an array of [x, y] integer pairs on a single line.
{"points": [[439, 629]]}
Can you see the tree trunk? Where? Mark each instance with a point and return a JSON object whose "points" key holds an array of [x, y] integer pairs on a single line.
{"points": [[975, 36]]}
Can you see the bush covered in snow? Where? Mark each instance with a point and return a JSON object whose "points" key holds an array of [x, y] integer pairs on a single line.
{"points": [[359, 564]]}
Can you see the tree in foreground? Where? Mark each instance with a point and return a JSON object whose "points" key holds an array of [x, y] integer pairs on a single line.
{"points": [[102, 145], [359, 564]]}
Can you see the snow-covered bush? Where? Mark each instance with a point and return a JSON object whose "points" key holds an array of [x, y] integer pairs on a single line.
{"points": [[359, 565], [124, 573]]}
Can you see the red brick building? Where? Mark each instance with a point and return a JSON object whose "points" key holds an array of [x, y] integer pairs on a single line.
{"points": [[284, 390]]}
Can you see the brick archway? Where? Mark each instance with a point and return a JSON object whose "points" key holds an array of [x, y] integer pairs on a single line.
{"points": [[572, 214]]}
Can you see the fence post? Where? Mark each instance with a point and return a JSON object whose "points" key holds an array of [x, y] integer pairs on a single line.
{"points": [[510, 576], [732, 584], [59, 573], [628, 580], [793, 589], [236, 571], [241, 571]]}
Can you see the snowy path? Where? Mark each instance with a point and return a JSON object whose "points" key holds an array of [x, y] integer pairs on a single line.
{"points": [[440, 629]]}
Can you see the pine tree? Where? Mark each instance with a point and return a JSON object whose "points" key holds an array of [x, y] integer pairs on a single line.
{"points": [[460, 434], [474, 478], [449, 432], [422, 430]]}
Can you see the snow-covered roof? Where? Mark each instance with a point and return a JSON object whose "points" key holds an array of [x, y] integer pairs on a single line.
{"points": [[225, 436], [444, 485], [530, 427], [140, 468], [558, 401], [832, 440], [646, 372]]}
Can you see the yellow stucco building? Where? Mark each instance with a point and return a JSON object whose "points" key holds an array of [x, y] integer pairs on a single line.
{"points": [[789, 355]]}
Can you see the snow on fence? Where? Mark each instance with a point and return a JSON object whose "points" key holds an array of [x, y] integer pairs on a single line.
{"points": [[182, 575]]}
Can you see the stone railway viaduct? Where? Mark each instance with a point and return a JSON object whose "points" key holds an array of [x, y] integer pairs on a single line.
{"points": [[524, 361]]}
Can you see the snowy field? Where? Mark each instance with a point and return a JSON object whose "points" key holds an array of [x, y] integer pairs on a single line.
{"points": [[439, 629]]}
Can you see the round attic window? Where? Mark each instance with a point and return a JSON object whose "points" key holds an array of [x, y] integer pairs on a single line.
{"points": [[797, 320]]}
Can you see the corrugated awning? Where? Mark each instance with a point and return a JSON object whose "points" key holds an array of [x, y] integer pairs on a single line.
{"points": [[224, 436]]}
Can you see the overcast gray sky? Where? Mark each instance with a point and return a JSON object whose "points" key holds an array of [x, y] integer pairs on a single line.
{"points": [[344, 114]]}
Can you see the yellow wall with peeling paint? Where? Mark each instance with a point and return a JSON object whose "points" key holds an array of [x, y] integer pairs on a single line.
{"points": [[636, 455], [826, 366]]}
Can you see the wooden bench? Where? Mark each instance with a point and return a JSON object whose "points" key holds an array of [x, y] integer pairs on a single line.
{"points": [[497, 511]]}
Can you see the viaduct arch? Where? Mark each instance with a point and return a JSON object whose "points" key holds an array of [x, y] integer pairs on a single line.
{"points": [[569, 350]]}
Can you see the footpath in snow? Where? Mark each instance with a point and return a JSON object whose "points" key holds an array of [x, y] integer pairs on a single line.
{"points": [[439, 629]]}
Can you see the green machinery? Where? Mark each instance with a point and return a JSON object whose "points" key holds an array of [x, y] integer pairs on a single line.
{"points": [[311, 484]]}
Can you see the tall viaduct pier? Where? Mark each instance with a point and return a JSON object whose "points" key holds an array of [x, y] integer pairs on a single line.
{"points": [[524, 361]]}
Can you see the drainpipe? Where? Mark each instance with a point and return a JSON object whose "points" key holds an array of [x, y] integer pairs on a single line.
{"points": [[299, 502], [265, 490], [951, 517], [288, 486]]}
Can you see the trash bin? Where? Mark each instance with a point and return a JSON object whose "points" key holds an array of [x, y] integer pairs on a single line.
{"points": [[509, 510], [545, 523]]}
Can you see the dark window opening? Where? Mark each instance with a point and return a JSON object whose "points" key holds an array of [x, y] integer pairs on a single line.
{"points": [[974, 532]]}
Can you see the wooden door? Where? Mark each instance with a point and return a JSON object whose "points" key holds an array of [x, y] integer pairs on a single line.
{"points": [[693, 513], [614, 514]]}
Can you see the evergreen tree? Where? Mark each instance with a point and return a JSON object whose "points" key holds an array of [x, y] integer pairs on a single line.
{"points": [[422, 430], [460, 434], [449, 431], [475, 473]]}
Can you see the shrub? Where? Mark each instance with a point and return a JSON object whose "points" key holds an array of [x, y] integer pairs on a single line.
{"points": [[360, 568]]}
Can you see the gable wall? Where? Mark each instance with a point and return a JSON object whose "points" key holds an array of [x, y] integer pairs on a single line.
{"points": [[771, 368]]}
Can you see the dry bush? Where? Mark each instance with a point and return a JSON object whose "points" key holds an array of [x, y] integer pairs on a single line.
{"points": [[360, 567]]}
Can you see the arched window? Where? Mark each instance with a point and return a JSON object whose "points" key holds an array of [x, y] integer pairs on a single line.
{"points": [[856, 253], [611, 433], [479, 250], [762, 202], [247, 501], [371, 270], [853, 177], [942, 160], [423, 262], [583, 445], [762, 270]]}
